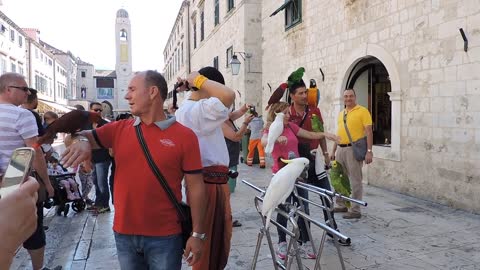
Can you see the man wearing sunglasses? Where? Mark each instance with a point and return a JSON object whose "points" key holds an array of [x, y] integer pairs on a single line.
{"points": [[101, 161], [19, 129]]}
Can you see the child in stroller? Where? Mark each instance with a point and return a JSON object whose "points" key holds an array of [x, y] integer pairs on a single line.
{"points": [[66, 188]]}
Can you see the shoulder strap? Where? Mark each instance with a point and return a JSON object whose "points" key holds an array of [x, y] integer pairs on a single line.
{"points": [[345, 124], [304, 117], [157, 173]]}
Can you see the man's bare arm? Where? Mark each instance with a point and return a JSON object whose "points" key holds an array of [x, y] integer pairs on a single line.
{"points": [[369, 133], [78, 149], [40, 165], [89, 135], [196, 193], [196, 199]]}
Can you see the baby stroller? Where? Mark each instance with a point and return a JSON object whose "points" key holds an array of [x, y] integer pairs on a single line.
{"points": [[58, 177], [61, 199]]}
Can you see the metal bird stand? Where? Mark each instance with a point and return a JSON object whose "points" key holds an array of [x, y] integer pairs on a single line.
{"points": [[294, 233], [292, 215], [326, 198]]}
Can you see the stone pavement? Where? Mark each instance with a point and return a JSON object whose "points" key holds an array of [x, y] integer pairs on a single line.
{"points": [[395, 232]]}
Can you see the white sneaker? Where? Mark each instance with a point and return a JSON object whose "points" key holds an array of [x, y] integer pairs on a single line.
{"points": [[282, 250], [307, 252]]}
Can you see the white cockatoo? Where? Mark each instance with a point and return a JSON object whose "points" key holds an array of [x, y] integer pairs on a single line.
{"points": [[281, 185], [319, 163], [275, 130]]}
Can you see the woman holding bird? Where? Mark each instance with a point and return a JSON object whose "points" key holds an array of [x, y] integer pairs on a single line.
{"points": [[285, 146]]}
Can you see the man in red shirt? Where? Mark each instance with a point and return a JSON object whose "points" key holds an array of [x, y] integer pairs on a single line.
{"points": [[146, 225], [301, 114]]}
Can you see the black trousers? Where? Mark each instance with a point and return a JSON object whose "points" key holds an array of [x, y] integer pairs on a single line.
{"points": [[323, 182], [282, 236]]}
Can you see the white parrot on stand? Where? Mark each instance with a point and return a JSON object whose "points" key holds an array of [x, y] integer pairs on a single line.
{"points": [[275, 130], [319, 163], [282, 185]]}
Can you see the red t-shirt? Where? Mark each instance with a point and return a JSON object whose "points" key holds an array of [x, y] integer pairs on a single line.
{"points": [[307, 124], [141, 205]]}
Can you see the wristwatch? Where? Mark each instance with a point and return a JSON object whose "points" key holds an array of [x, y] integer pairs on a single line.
{"points": [[79, 139], [369, 150], [201, 236]]}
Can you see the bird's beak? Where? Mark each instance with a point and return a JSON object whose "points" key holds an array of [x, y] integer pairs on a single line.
{"points": [[286, 161]]}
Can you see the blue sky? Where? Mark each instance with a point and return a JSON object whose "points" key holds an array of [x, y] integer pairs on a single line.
{"points": [[87, 27]]}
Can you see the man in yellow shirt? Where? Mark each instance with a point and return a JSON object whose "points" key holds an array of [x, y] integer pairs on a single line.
{"points": [[359, 123]]}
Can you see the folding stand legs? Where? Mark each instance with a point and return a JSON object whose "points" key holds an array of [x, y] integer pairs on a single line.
{"points": [[324, 236], [292, 247]]}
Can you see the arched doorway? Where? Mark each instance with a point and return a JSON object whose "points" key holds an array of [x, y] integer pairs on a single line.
{"points": [[373, 52], [371, 82]]}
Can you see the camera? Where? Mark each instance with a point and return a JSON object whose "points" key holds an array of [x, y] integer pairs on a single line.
{"points": [[49, 202], [251, 109]]}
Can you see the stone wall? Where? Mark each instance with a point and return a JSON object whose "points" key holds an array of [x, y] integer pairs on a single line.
{"points": [[435, 151], [240, 28]]}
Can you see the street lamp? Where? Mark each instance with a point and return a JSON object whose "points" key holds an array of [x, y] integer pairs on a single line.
{"points": [[235, 63]]}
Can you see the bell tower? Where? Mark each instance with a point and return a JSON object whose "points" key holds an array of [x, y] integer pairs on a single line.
{"points": [[123, 67]]}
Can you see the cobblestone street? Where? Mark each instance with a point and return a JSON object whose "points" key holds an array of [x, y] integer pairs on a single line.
{"points": [[395, 232]]}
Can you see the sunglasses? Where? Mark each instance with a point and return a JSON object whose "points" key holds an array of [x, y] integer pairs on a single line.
{"points": [[98, 110], [23, 88]]}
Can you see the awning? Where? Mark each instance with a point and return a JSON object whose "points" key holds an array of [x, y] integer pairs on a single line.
{"points": [[282, 7], [45, 105]]}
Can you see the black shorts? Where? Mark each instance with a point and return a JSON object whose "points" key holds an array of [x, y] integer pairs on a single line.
{"points": [[37, 240]]}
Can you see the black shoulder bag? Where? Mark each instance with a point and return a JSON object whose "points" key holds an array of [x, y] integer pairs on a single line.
{"points": [[359, 146], [183, 210]]}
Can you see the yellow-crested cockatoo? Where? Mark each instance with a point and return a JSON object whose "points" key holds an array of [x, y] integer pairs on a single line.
{"points": [[274, 131], [282, 185]]}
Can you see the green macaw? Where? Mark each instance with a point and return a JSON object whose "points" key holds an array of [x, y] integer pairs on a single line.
{"points": [[296, 76], [317, 125], [339, 180]]}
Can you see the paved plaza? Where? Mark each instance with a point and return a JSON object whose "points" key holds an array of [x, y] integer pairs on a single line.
{"points": [[395, 232]]}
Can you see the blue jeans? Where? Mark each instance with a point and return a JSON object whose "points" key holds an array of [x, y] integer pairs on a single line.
{"points": [[102, 192], [137, 252]]}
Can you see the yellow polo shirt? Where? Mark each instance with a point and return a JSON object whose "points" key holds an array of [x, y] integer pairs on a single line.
{"points": [[357, 119]]}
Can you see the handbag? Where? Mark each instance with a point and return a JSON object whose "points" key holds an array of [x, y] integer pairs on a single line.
{"points": [[359, 146], [183, 209]]}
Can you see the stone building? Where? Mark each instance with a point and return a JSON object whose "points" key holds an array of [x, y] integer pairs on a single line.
{"points": [[46, 74], [176, 52], [213, 32], [413, 63], [410, 66]]}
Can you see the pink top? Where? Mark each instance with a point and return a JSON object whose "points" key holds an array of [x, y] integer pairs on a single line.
{"points": [[281, 150]]}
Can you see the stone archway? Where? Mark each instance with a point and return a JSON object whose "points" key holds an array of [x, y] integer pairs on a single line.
{"points": [[364, 52]]}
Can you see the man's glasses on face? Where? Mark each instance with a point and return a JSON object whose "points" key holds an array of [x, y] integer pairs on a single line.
{"points": [[23, 88]]}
